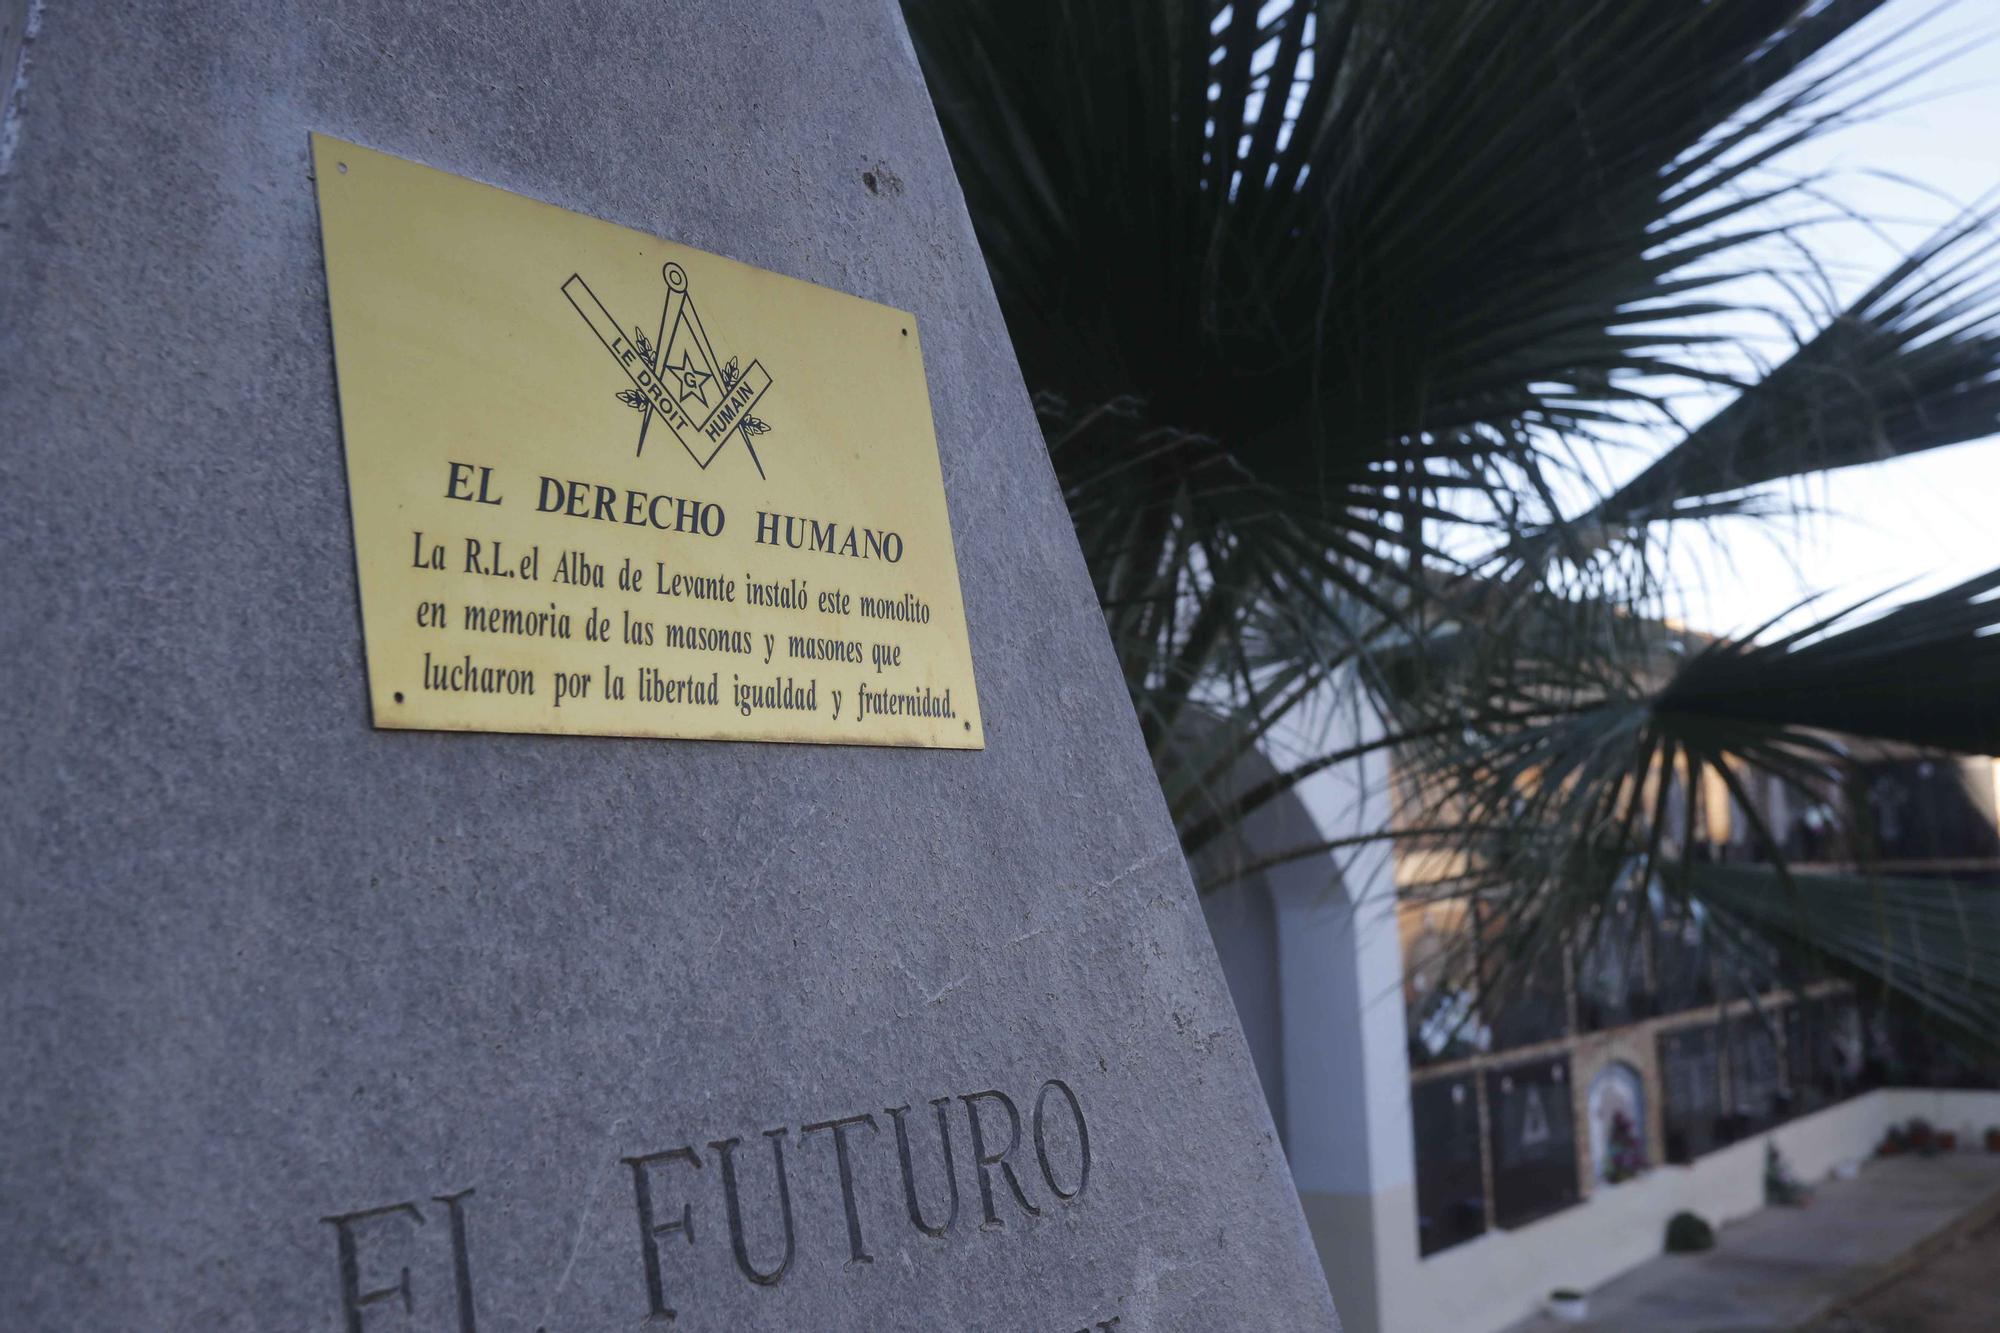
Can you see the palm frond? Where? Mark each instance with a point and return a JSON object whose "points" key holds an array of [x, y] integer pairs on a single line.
{"points": [[1306, 290], [1626, 781], [1932, 944], [1301, 287], [1926, 672], [1913, 364]]}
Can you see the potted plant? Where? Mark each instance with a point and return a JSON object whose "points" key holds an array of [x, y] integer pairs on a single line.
{"points": [[1781, 1188], [1569, 1305], [1688, 1233], [1947, 1141], [1920, 1137], [1993, 1138]]}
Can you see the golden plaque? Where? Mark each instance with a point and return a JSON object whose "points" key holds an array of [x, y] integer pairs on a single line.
{"points": [[604, 484]]}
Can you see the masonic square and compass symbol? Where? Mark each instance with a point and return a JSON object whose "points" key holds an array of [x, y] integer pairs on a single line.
{"points": [[676, 377]]}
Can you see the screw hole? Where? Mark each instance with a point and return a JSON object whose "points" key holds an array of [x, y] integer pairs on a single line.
{"points": [[399, 699], [342, 166], [968, 726]]}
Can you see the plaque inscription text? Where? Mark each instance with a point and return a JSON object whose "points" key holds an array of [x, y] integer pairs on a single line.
{"points": [[605, 484]]}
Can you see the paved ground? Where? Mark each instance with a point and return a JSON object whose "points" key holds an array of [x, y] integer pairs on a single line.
{"points": [[1957, 1290], [1787, 1267]]}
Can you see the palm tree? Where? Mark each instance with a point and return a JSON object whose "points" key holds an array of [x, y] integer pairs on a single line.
{"points": [[1333, 311]]}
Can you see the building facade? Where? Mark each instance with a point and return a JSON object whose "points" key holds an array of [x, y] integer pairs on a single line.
{"points": [[1459, 1159]]}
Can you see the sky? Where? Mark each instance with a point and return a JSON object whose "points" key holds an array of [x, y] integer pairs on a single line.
{"points": [[1925, 521]]}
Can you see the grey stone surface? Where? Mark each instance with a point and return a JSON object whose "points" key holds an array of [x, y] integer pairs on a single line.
{"points": [[263, 965], [15, 20]]}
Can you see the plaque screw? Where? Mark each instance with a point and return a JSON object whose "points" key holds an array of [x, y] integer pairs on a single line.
{"points": [[399, 699], [342, 166]]}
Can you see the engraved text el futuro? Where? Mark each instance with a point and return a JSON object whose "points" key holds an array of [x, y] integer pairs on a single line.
{"points": [[1000, 1134]]}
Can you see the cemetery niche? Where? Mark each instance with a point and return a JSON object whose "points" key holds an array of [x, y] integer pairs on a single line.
{"points": [[1691, 1091], [1925, 809], [1823, 1055], [1535, 1008], [1451, 1186], [1533, 1133], [1683, 963], [1611, 988], [1758, 1096]]}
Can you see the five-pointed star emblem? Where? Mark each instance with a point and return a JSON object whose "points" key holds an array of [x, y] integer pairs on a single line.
{"points": [[693, 382]]}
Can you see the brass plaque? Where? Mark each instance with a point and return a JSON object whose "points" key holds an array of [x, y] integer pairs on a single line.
{"points": [[604, 484]]}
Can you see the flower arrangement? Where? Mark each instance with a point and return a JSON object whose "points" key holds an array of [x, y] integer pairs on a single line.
{"points": [[1625, 1156]]}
